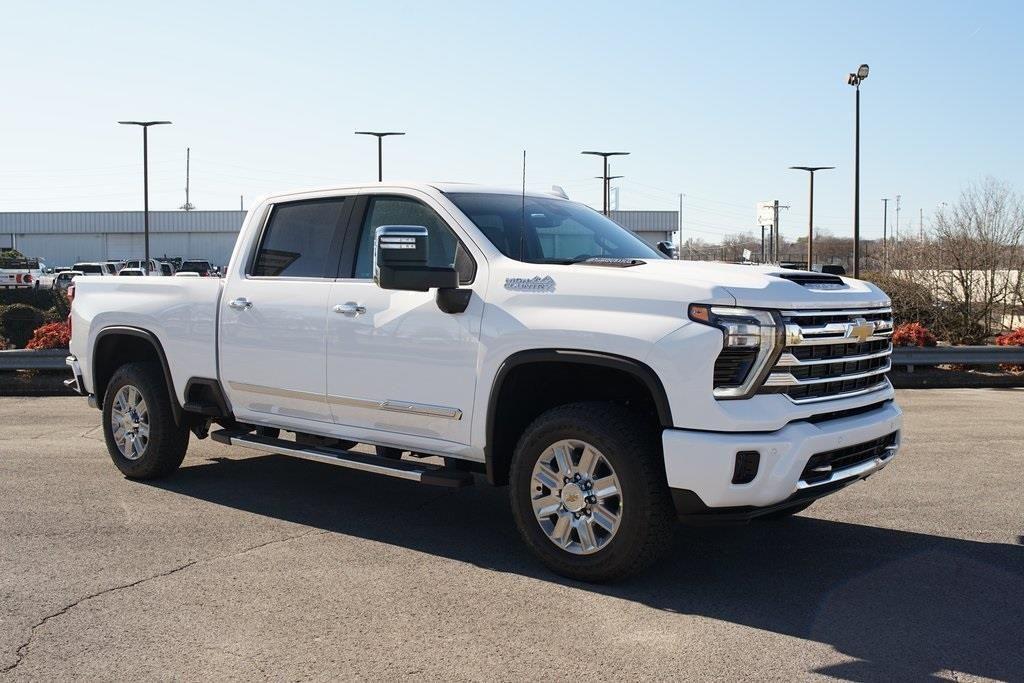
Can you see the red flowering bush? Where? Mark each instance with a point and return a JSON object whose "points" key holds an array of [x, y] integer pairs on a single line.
{"points": [[51, 336], [1014, 338], [912, 334]]}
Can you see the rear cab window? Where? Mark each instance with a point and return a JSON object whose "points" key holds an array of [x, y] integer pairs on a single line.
{"points": [[302, 239]]}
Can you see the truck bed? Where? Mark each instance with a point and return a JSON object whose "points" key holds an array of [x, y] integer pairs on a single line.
{"points": [[180, 312]]}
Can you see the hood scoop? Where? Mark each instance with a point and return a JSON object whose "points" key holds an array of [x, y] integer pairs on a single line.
{"points": [[814, 280]]}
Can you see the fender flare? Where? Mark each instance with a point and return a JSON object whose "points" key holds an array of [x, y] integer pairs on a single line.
{"points": [[641, 371], [157, 346]]}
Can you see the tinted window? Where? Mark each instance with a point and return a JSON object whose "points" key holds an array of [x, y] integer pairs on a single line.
{"points": [[298, 239], [444, 246], [89, 269], [554, 230], [201, 267]]}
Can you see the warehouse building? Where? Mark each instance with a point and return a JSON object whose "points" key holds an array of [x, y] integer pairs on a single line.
{"points": [[61, 238]]}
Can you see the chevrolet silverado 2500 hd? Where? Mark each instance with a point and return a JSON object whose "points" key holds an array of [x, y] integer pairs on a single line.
{"points": [[524, 337]]}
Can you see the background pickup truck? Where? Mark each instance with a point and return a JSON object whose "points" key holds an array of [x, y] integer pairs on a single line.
{"points": [[523, 337]]}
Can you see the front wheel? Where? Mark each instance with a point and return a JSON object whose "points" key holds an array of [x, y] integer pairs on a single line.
{"points": [[138, 424], [589, 493]]}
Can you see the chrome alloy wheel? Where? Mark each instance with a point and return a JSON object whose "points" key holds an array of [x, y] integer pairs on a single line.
{"points": [[576, 497], [129, 422]]}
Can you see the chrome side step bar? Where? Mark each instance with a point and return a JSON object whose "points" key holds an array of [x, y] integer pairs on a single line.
{"points": [[400, 469]]}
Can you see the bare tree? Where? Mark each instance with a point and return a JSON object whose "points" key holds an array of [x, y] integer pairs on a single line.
{"points": [[972, 262]]}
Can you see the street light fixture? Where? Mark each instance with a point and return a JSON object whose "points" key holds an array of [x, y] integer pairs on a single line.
{"points": [[854, 79], [145, 171], [380, 148], [605, 177], [810, 219]]}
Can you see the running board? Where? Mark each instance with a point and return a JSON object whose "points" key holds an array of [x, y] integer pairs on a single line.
{"points": [[400, 469]]}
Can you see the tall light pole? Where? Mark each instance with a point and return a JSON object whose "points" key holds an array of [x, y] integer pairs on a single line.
{"points": [[810, 217], [854, 79], [885, 234], [145, 171], [380, 149], [605, 177]]}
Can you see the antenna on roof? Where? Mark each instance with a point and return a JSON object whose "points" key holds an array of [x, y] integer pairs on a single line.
{"points": [[187, 206], [522, 224]]}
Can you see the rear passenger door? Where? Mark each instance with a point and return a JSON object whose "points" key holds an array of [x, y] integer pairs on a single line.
{"points": [[273, 317]]}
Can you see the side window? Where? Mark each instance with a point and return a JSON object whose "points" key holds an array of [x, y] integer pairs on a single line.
{"points": [[297, 240], [445, 249]]}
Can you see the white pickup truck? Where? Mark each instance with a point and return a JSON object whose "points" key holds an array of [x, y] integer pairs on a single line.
{"points": [[524, 337]]}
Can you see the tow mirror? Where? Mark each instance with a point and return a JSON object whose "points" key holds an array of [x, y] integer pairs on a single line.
{"points": [[400, 260]]}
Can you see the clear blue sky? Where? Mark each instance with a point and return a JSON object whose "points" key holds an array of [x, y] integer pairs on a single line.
{"points": [[714, 100]]}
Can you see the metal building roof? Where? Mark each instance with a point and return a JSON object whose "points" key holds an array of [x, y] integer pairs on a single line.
{"points": [[643, 221], [78, 222]]}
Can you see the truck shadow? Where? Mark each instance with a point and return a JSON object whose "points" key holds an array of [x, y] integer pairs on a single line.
{"points": [[905, 605]]}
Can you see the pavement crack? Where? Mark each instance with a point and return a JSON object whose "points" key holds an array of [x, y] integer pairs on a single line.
{"points": [[22, 652]]}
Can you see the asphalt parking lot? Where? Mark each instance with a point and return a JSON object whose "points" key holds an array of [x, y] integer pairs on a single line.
{"points": [[251, 566]]}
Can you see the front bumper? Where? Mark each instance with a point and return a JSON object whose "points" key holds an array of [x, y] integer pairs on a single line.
{"points": [[700, 465]]}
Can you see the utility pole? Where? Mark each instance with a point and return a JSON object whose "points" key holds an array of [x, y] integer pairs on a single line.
{"points": [[762, 244], [241, 202], [885, 233], [921, 224], [605, 177], [896, 232], [679, 231], [187, 206], [775, 244]]}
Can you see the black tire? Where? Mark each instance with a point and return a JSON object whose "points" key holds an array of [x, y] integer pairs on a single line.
{"points": [[167, 441], [629, 443], [788, 512]]}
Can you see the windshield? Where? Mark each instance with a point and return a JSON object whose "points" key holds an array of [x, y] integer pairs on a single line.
{"points": [[89, 268], [556, 231], [195, 266]]}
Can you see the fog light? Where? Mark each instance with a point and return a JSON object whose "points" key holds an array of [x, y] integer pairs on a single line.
{"points": [[746, 467]]}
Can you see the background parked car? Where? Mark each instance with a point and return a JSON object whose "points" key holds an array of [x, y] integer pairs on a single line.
{"points": [[92, 268], [149, 266], [166, 269], [198, 266], [127, 272], [64, 278]]}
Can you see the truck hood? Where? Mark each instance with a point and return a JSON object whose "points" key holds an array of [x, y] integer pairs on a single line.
{"points": [[766, 286]]}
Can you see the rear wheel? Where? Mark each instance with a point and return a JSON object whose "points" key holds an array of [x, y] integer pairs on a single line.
{"points": [[138, 423], [589, 493]]}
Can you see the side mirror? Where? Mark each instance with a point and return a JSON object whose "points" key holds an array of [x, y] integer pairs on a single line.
{"points": [[668, 249], [400, 257]]}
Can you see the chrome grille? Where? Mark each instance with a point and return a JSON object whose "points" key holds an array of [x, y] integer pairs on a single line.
{"points": [[832, 354]]}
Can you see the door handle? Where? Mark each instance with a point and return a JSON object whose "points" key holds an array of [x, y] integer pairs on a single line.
{"points": [[350, 308], [240, 304]]}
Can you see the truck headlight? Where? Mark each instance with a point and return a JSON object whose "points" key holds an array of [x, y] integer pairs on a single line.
{"points": [[751, 342]]}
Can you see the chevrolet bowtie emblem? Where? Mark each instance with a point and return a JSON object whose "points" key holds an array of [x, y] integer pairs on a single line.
{"points": [[860, 329]]}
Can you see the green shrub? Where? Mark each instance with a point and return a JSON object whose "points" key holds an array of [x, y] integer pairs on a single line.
{"points": [[18, 322], [39, 298]]}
